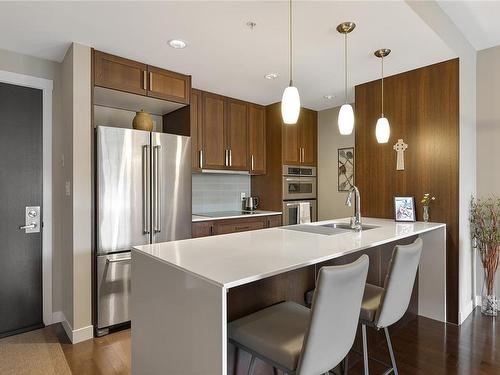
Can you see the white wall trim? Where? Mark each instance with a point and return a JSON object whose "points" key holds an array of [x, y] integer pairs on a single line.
{"points": [[464, 314], [74, 335], [46, 85]]}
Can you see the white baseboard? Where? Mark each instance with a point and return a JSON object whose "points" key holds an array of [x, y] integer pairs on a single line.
{"points": [[74, 335], [462, 315]]}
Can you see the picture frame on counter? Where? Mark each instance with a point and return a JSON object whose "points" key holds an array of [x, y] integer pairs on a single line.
{"points": [[404, 209]]}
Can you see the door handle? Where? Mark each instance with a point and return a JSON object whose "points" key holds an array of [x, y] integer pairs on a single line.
{"points": [[28, 226], [145, 190], [144, 79], [157, 193], [230, 158], [118, 260], [201, 159], [226, 164], [251, 163], [150, 81]]}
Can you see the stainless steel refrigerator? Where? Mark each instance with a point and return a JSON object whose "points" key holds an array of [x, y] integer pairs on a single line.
{"points": [[143, 196]]}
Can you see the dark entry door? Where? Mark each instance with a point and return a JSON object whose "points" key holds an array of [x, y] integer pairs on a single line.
{"points": [[20, 187]]}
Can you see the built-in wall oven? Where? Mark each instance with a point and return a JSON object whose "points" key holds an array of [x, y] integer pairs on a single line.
{"points": [[299, 186], [291, 211], [299, 182]]}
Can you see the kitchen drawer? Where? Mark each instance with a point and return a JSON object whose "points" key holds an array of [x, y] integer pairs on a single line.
{"points": [[273, 221], [202, 229], [239, 225]]}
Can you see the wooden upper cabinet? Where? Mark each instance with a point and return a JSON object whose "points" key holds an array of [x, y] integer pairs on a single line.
{"points": [[167, 85], [308, 128], [300, 140], [119, 74], [291, 145], [213, 123], [257, 139], [237, 134], [196, 130]]}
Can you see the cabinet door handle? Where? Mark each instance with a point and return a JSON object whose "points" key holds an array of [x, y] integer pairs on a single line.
{"points": [[144, 79], [251, 163], [201, 159], [150, 81], [225, 158], [230, 158]]}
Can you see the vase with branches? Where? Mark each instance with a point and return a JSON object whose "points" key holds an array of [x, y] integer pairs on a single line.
{"points": [[485, 234]]}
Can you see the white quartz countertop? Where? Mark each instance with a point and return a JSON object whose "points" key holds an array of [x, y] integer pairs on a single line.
{"points": [[228, 215], [239, 258]]}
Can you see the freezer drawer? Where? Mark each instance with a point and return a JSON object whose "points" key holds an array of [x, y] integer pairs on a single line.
{"points": [[113, 289]]}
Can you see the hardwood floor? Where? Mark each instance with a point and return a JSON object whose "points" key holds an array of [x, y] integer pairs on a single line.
{"points": [[422, 347]]}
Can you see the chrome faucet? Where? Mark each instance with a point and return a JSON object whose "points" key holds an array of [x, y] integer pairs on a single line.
{"points": [[356, 220]]}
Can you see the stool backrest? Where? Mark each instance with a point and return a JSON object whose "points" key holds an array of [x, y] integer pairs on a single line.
{"points": [[334, 316], [398, 284]]}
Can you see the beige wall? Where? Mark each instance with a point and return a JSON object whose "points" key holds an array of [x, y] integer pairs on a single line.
{"points": [[331, 203], [32, 66], [488, 131], [76, 215]]}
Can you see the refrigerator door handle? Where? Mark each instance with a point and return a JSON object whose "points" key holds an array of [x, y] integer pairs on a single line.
{"points": [[145, 190], [157, 189]]}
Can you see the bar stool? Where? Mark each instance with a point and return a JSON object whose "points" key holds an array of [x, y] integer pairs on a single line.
{"points": [[300, 341], [383, 307]]}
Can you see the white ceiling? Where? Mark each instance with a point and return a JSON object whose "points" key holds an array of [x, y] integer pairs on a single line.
{"points": [[223, 54], [479, 21]]}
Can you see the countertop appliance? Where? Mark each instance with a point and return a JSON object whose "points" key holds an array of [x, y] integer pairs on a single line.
{"points": [[143, 196], [299, 186], [250, 203]]}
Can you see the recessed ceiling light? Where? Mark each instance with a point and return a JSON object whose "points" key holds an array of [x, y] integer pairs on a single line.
{"points": [[177, 43], [329, 97], [271, 76]]}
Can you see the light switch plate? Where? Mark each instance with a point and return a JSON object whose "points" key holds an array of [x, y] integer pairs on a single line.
{"points": [[242, 195], [67, 188]]}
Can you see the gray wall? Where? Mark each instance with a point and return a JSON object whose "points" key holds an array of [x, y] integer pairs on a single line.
{"points": [[488, 133], [331, 202]]}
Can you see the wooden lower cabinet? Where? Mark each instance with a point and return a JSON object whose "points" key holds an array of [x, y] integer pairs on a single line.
{"points": [[202, 229], [226, 226]]}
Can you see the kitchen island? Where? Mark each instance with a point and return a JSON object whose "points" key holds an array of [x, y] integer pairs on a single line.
{"points": [[179, 297]]}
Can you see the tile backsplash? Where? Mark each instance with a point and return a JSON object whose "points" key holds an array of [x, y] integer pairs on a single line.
{"points": [[219, 192]]}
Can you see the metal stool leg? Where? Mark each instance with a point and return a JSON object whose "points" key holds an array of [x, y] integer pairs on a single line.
{"points": [[391, 352], [252, 366], [365, 349]]}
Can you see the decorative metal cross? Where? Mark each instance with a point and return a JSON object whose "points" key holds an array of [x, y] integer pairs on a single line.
{"points": [[400, 147]]}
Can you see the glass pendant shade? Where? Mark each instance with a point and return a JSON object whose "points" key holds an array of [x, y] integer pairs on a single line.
{"points": [[382, 130], [290, 105], [346, 119]]}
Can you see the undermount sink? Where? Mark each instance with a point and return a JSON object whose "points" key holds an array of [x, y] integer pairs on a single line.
{"points": [[329, 229], [347, 226]]}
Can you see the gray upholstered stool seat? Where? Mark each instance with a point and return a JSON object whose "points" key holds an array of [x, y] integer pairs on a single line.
{"points": [[278, 331], [371, 302], [299, 341]]}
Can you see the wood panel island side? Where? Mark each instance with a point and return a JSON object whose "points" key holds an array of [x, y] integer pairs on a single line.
{"points": [[185, 292]]}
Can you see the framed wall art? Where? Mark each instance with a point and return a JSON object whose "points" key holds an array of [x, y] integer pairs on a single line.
{"points": [[345, 168]]}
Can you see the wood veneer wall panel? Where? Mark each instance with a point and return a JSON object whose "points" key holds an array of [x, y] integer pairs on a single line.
{"points": [[422, 107]]}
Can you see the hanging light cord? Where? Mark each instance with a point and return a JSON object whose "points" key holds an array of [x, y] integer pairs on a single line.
{"points": [[382, 86], [345, 66], [290, 40]]}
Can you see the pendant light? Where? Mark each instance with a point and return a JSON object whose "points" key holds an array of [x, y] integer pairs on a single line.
{"points": [[382, 130], [290, 102], [346, 114]]}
